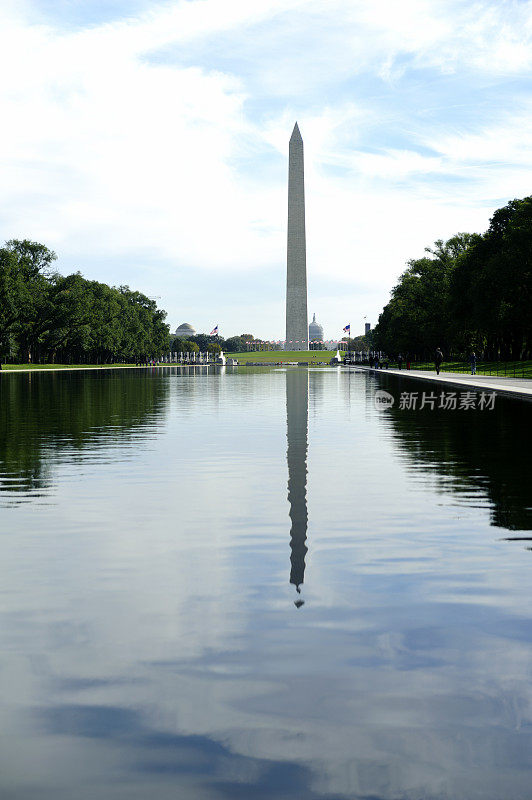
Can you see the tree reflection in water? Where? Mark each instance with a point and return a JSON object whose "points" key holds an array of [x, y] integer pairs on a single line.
{"points": [[45, 415], [488, 451]]}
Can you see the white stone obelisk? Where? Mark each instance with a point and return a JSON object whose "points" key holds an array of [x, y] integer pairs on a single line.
{"points": [[296, 260]]}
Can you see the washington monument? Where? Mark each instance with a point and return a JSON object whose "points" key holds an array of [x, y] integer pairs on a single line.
{"points": [[296, 261]]}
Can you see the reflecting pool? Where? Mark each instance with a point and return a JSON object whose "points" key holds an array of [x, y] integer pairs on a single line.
{"points": [[254, 583]]}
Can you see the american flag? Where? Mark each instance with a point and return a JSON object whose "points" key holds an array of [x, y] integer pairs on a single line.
{"points": [[214, 331], [347, 328]]}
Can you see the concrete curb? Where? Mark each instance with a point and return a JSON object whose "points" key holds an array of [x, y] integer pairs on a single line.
{"points": [[99, 369], [500, 385]]}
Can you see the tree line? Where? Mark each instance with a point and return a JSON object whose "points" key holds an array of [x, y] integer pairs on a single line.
{"points": [[234, 344], [45, 316], [471, 292], [202, 342]]}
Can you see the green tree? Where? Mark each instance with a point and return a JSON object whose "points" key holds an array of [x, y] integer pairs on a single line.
{"points": [[417, 319], [43, 314], [360, 343], [63, 317], [234, 344], [491, 288], [10, 298], [203, 340], [24, 269], [187, 346]]}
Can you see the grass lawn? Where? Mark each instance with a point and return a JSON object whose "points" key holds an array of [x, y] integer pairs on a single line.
{"points": [[278, 356], [523, 369]]}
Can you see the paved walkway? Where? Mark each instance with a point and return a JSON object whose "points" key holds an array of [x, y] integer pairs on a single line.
{"points": [[515, 387]]}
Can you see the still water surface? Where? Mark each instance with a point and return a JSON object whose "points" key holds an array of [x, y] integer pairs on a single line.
{"points": [[253, 584]]}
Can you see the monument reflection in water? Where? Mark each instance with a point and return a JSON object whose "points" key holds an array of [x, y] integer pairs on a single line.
{"points": [[296, 456]]}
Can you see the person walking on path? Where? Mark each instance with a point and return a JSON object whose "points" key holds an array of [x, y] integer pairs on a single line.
{"points": [[438, 358], [400, 361], [473, 361]]}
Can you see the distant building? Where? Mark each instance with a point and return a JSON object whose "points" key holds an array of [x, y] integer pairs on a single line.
{"points": [[367, 328], [315, 331], [185, 331]]}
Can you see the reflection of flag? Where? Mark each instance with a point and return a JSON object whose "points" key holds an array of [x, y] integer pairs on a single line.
{"points": [[214, 331], [347, 328]]}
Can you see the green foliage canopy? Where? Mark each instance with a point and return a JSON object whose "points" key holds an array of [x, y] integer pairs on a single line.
{"points": [[47, 316], [417, 320]]}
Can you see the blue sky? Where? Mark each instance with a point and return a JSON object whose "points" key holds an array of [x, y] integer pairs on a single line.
{"points": [[147, 143]]}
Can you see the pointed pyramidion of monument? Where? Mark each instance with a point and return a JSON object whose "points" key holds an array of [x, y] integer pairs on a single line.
{"points": [[296, 133], [296, 259]]}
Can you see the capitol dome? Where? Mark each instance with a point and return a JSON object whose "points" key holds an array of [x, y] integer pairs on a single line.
{"points": [[185, 331], [315, 331]]}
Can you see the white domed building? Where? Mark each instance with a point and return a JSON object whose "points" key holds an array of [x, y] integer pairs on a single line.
{"points": [[185, 331], [315, 331]]}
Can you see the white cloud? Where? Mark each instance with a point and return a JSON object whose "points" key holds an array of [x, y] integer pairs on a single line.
{"points": [[109, 154]]}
